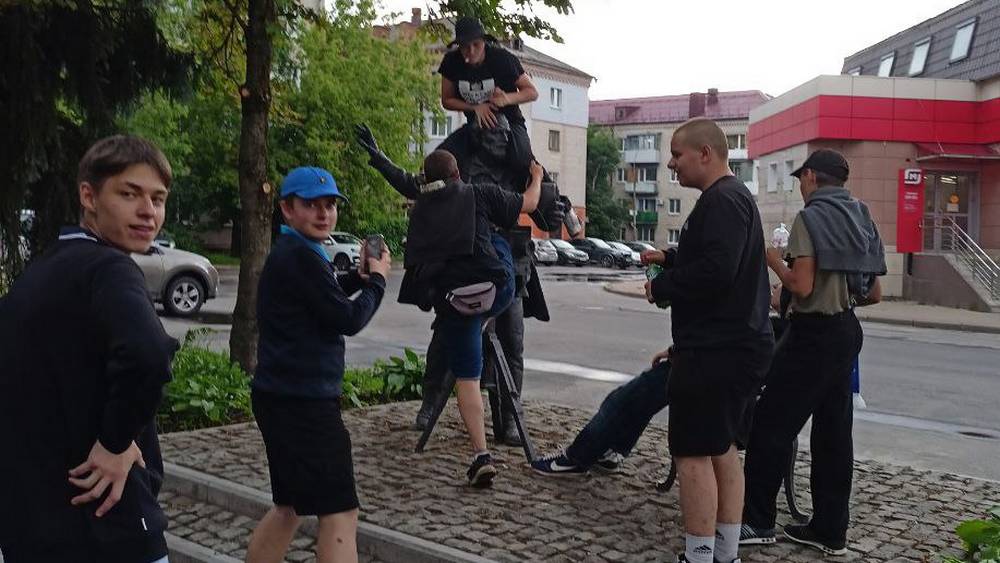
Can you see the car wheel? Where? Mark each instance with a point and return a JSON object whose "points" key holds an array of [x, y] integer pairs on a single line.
{"points": [[608, 261], [342, 262], [184, 296]]}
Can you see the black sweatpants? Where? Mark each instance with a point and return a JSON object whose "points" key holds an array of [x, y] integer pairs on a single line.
{"points": [[811, 377]]}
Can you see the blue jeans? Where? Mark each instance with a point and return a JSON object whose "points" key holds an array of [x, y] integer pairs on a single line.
{"points": [[463, 334], [622, 417]]}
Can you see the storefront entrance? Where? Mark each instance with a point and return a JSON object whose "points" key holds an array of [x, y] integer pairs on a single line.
{"points": [[950, 196]]}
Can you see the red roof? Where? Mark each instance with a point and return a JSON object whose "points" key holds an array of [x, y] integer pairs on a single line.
{"points": [[675, 109]]}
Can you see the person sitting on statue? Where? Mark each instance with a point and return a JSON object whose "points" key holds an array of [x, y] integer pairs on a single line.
{"points": [[459, 265], [485, 81]]}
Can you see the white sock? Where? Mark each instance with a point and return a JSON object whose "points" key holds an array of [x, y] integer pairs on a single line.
{"points": [[698, 549], [727, 541]]}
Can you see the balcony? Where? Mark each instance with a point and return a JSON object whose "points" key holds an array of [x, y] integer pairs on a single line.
{"points": [[641, 156], [641, 188], [646, 217]]}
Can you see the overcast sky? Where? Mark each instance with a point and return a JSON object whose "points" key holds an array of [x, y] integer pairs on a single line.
{"points": [[659, 47]]}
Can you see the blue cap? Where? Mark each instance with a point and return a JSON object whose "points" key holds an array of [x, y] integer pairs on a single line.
{"points": [[310, 182]]}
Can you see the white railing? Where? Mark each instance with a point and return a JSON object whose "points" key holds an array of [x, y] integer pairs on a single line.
{"points": [[952, 238]]}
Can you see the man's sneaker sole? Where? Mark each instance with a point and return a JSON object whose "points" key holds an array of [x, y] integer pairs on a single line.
{"points": [[606, 470], [484, 477], [758, 541], [818, 545], [560, 474]]}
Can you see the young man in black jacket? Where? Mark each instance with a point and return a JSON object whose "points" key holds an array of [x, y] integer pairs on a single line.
{"points": [[84, 359], [304, 309], [718, 289]]}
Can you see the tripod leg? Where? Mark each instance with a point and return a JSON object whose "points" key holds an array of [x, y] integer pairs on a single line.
{"points": [[666, 484], [496, 412], [447, 385], [510, 396], [793, 506]]}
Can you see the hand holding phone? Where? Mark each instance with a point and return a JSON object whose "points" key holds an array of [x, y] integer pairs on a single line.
{"points": [[376, 256]]}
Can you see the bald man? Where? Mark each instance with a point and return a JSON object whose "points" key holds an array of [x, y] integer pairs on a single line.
{"points": [[717, 285]]}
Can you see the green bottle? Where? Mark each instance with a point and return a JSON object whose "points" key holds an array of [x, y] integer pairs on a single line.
{"points": [[652, 271]]}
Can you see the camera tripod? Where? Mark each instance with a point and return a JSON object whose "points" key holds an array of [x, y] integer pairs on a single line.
{"points": [[503, 395]]}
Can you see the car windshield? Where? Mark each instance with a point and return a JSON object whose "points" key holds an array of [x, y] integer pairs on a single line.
{"points": [[559, 243], [598, 242], [345, 239], [620, 246]]}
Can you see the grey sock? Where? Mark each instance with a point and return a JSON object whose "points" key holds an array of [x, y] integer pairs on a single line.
{"points": [[727, 541]]}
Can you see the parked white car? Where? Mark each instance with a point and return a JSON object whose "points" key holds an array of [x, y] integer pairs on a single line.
{"points": [[344, 250]]}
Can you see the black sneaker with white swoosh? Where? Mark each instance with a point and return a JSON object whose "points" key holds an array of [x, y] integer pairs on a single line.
{"points": [[557, 465]]}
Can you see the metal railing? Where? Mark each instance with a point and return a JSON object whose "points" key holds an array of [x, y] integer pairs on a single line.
{"points": [[950, 237]]}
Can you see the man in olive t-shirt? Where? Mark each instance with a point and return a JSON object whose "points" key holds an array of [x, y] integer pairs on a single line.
{"points": [[811, 375]]}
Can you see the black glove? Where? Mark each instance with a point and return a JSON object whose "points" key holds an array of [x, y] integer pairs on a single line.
{"points": [[367, 141], [549, 213]]}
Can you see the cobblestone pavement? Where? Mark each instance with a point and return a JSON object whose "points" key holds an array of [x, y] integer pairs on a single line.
{"points": [[210, 526], [899, 514]]}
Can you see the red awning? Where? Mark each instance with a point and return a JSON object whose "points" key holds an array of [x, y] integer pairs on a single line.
{"points": [[930, 151]]}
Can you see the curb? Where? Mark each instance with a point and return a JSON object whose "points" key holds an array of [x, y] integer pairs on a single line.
{"points": [[383, 543], [185, 551], [869, 318]]}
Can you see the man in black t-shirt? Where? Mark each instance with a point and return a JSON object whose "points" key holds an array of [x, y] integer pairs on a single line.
{"points": [[718, 288], [481, 78]]}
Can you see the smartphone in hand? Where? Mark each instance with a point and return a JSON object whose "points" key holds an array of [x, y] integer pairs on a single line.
{"points": [[374, 245]]}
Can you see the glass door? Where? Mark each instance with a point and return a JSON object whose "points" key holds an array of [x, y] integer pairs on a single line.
{"points": [[948, 195]]}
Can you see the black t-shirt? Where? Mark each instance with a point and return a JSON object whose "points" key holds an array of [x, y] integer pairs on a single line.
{"points": [[500, 69], [718, 285]]}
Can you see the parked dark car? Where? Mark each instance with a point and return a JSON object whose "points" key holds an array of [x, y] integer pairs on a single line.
{"points": [[601, 252], [568, 254]]}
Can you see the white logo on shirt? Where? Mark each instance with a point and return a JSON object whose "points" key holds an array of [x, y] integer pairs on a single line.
{"points": [[476, 92]]}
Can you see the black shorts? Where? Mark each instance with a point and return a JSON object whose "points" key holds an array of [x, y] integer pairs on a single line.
{"points": [[711, 395], [308, 453]]}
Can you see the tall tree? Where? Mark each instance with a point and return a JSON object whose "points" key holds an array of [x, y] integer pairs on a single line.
{"points": [[605, 215], [67, 68]]}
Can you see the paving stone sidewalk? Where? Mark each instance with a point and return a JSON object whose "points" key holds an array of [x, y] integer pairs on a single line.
{"points": [[899, 514]]}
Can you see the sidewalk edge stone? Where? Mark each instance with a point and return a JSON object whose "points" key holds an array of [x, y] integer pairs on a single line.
{"points": [[386, 544], [186, 551]]}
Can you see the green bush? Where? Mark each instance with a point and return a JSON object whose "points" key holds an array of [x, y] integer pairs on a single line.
{"points": [[398, 379], [392, 227], [207, 389], [981, 539]]}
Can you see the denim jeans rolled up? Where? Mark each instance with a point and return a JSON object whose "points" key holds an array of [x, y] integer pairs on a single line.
{"points": [[622, 417]]}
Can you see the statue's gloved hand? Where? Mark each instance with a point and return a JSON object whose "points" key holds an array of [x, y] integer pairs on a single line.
{"points": [[367, 141]]}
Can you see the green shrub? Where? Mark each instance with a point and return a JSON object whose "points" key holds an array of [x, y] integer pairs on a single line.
{"points": [[981, 539], [207, 389], [398, 379]]}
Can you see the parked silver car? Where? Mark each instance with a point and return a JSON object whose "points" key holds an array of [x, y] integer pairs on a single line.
{"points": [[545, 253], [182, 281]]}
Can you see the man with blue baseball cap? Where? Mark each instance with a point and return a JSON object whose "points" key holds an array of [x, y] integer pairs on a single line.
{"points": [[304, 311]]}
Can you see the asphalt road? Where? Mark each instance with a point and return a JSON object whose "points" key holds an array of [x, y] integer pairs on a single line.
{"points": [[931, 394]]}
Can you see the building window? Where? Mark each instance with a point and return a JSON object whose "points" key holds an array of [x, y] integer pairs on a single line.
{"points": [[554, 176], [856, 71], [641, 142], [621, 175], [673, 175], [772, 177], [622, 143], [554, 141], [885, 66], [963, 40], [673, 236], [646, 233], [441, 127], [737, 142], [742, 170], [789, 168], [646, 204], [919, 59], [555, 98], [673, 207], [646, 173]]}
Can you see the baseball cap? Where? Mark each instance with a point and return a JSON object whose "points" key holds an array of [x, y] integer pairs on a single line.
{"points": [[310, 182], [467, 30], [827, 161]]}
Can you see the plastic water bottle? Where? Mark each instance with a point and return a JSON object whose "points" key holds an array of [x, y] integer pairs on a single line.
{"points": [[779, 238], [652, 271]]}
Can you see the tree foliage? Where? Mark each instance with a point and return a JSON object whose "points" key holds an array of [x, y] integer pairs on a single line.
{"points": [[605, 215]]}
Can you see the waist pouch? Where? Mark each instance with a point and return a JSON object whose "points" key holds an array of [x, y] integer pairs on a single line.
{"points": [[471, 300]]}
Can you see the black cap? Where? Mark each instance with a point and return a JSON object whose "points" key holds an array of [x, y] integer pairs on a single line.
{"points": [[467, 30], [827, 161]]}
